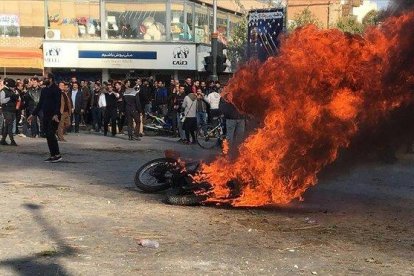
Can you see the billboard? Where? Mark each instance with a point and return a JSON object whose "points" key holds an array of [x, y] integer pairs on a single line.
{"points": [[264, 28]]}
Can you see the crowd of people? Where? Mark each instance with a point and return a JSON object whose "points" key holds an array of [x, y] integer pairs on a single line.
{"points": [[109, 107]]}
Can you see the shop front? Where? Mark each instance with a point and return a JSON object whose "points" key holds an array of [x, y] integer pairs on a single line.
{"points": [[119, 60]]}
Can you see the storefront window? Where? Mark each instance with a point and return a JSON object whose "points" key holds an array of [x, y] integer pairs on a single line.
{"points": [[139, 19], [222, 26], [21, 18], [72, 19], [201, 22], [182, 27], [234, 21]]}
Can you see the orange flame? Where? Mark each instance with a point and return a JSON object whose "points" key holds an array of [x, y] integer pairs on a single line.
{"points": [[225, 147], [312, 99]]}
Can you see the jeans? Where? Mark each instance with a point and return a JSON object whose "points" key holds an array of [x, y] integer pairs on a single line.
{"points": [[132, 116], [1, 122], [34, 126], [110, 116], [77, 119], [235, 131], [50, 128], [9, 118], [180, 127], [201, 118], [148, 108], [97, 118]]}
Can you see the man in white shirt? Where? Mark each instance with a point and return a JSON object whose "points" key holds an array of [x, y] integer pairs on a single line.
{"points": [[213, 99]]}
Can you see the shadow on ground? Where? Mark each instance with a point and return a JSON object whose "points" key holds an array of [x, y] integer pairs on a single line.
{"points": [[46, 262]]}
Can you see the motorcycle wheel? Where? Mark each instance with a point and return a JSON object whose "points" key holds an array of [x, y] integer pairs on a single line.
{"points": [[147, 181], [184, 200]]}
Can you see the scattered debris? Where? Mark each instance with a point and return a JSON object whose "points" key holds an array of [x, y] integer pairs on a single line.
{"points": [[296, 266], [314, 273], [310, 221], [370, 260], [149, 243]]}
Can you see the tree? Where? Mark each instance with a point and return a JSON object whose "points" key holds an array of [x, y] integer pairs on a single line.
{"points": [[349, 24], [371, 18], [236, 48], [305, 17]]}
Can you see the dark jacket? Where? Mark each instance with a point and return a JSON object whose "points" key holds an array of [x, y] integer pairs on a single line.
{"points": [[111, 101], [79, 104], [187, 89], [132, 101], [31, 98], [86, 96], [161, 96], [146, 94], [10, 106], [95, 97], [49, 101], [229, 110]]}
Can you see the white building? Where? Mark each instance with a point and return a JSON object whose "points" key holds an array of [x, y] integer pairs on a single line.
{"points": [[363, 9]]}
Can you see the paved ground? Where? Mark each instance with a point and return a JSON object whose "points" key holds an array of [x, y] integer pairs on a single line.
{"points": [[84, 217]]}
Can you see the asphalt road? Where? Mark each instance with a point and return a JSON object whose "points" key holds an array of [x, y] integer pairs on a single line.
{"points": [[84, 217]]}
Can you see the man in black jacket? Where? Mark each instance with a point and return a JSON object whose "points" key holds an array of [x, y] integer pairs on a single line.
{"points": [[110, 115], [133, 110], [31, 100], [8, 100], [76, 97], [49, 103]]}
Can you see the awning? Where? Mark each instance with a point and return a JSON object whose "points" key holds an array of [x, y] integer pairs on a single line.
{"points": [[21, 58]]}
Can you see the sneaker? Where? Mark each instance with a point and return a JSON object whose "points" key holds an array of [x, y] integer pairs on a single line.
{"points": [[56, 159], [48, 160], [4, 143], [13, 143]]}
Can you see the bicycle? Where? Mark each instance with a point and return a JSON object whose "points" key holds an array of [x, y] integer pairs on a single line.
{"points": [[209, 136]]}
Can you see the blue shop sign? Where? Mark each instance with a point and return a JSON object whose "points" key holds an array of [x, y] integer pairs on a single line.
{"points": [[118, 54]]}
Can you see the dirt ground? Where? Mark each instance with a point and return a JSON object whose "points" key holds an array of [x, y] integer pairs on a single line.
{"points": [[84, 216]]}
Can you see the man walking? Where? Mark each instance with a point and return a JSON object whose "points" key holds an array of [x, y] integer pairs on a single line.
{"points": [[65, 111], [8, 100], [49, 103]]}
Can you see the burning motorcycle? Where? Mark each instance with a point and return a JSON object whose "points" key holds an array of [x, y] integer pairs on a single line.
{"points": [[173, 174]]}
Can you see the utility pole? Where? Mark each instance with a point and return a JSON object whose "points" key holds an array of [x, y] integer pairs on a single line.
{"points": [[214, 37]]}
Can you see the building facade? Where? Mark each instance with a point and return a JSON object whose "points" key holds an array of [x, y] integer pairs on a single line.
{"points": [[122, 38]]}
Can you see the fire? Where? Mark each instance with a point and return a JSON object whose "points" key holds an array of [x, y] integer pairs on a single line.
{"points": [[312, 99], [225, 147]]}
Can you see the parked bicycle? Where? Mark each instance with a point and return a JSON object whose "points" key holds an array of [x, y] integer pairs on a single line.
{"points": [[211, 135]]}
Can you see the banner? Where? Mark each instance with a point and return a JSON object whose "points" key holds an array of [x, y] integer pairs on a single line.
{"points": [[264, 28]]}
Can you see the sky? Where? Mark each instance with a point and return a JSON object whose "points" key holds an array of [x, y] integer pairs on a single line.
{"points": [[382, 4]]}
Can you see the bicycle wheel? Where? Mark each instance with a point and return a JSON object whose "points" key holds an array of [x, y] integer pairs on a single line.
{"points": [[208, 136]]}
